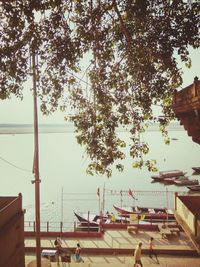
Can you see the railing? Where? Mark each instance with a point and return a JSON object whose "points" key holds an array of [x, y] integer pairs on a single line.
{"points": [[60, 227]]}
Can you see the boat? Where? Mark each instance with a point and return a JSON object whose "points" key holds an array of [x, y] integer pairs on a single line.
{"points": [[93, 221], [145, 213], [88, 219], [196, 169], [171, 180], [186, 182], [171, 173], [157, 178], [167, 174], [194, 187]]}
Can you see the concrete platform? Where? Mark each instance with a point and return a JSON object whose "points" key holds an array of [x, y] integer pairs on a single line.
{"points": [[116, 261], [116, 248], [120, 242]]}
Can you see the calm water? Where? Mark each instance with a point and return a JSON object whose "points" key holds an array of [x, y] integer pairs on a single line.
{"points": [[63, 164]]}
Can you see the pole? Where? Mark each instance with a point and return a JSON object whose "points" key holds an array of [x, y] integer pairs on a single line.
{"points": [[121, 201], [103, 208], [36, 165], [62, 205], [167, 203]]}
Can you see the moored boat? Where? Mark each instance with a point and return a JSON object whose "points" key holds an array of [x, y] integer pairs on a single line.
{"points": [[186, 182], [196, 169], [88, 219], [168, 176], [157, 178], [145, 213], [93, 221], [171, 180], [171, 173], [194, 187]]}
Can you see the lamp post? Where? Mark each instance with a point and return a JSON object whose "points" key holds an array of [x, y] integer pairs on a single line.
{"points": [[36, 163]]}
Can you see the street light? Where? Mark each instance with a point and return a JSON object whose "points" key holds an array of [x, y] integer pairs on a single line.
{"points": [[36, 161]]}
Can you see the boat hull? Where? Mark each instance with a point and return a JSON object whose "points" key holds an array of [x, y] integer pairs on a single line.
{"points": [[186, 182], [195, 188], [196, 169]]}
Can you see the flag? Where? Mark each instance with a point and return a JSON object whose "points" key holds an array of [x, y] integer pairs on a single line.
{"points": [[130, 193], [98, 192]]}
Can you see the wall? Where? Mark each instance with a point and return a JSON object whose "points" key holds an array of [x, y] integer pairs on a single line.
{"points": [[12, 252], [186, 215]]}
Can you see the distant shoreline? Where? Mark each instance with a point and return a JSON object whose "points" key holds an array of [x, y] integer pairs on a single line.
{"points": [[65, 128]]}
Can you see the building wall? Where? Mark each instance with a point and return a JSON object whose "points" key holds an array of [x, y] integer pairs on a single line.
{"points": [[186, 215], [198, 228], [12, 252]]}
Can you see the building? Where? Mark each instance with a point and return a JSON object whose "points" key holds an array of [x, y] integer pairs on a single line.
{"points": [[186, 105], [12, 251], [187, 213]]}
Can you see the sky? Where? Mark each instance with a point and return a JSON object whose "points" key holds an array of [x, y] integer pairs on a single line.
{"points": [[17, 111]]}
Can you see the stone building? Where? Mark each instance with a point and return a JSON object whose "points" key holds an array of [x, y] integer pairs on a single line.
{"points": [[186, 105]]}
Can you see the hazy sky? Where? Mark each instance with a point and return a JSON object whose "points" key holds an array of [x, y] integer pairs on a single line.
{"points": [[16, 111]]}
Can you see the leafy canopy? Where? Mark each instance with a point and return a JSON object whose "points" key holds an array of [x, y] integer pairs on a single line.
{"points": [[131, 48]]}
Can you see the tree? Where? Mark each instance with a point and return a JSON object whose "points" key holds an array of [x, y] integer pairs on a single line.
{"points": [[131, 48]]}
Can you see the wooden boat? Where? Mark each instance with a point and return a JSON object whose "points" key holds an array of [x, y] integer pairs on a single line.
{"points": [[194, 187], [171, 180], [90, 219], [196, 169], [157, 178], [167, 174], [171, 173], [93, 220], [186, 182], [154, 214]]}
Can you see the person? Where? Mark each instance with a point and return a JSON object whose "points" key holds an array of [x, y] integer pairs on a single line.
{"points": [[137, 255], [78, 257], [107, 214], [151, 249], [113, 218], [58, 245]]}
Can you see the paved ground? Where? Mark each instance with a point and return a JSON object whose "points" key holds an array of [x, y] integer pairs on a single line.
{"points": [[115, 239], [117, 261], [121, 239]]}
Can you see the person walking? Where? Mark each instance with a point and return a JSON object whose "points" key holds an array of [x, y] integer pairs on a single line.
{"points": [[137, 255], [78, 257], [151, 249], [58, 245]]}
